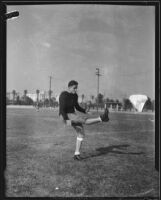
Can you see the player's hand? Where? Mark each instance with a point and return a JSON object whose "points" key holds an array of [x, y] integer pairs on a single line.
{"points": [[88, 113], [68, 122]]}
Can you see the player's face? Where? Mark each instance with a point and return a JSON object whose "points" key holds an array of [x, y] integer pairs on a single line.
{"points": [[73, 89]]}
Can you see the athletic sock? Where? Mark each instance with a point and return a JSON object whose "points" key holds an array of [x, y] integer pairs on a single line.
{"points": [[100, 119], [93, 120], [76, 153], [78, 146]]}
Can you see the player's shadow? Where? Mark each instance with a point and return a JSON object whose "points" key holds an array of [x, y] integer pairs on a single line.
{"points": [[116, 149]]}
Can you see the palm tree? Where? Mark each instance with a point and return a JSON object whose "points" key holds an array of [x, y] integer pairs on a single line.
{"points": [[25, 96], [25, 93], [100, 98], [92, 97], [92, 101], [14, 95], [37, 92], [127, 104]]}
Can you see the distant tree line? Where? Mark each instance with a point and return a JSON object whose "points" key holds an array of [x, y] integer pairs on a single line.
{"points": [[17, 100], [26, 100], [93, 103], [115, 104]]}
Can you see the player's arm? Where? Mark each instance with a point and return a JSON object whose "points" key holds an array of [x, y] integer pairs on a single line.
{"points": [[62, 106], [78, 107]]}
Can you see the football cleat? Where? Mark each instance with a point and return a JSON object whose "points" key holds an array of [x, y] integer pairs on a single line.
{"points": [[105, 117], [77, 157]]}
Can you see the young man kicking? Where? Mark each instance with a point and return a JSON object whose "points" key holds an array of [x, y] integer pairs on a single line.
{"points": [[68, 102]]}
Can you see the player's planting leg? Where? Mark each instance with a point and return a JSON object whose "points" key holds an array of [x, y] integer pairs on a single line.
{"points": [[77, 149], [79, 140]]}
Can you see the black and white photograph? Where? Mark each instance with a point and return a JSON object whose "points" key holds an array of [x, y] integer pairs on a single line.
{"points": [[81, 100]]}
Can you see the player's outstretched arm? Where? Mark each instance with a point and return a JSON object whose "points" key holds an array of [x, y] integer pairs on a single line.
{"points": [[78, 107]]}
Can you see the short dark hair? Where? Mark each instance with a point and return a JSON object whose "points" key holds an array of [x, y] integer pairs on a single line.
{"points": [[72, 82]]}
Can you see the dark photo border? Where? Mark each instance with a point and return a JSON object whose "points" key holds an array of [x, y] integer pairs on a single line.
{"points": [[3, 25]]}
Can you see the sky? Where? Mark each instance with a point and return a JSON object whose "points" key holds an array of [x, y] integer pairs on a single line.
{"points": [[68, 42]]}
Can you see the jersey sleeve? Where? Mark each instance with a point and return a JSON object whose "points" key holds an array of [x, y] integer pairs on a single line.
{"points": [[62, 106]]}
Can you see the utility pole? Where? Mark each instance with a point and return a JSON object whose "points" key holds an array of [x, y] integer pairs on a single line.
{"points": [[98, 75], [50, 77]]}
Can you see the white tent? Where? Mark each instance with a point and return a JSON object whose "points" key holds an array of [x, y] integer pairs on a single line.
{"points": [[138, 101]]}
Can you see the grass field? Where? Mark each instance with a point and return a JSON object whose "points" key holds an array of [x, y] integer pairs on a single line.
{"points": [[118, 156]]}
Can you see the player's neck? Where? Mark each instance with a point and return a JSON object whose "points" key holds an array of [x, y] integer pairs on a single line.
{"points": [[70, 92]]}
